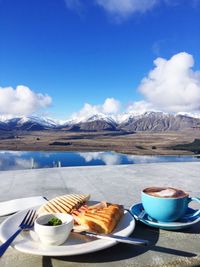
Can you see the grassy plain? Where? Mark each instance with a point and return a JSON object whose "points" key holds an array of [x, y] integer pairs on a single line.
{"points": [[140, 143]]}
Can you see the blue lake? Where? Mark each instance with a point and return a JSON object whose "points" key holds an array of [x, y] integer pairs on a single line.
{"points": [[18, 160]]}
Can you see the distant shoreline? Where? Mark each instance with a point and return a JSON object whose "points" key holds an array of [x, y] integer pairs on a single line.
{"points": [[89, 151], [140, 143]]}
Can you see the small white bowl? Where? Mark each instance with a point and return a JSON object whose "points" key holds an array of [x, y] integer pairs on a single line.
{"points": [[53, 235]]}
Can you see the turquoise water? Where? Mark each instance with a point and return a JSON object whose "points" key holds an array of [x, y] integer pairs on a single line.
{"points": [[18, 160]]}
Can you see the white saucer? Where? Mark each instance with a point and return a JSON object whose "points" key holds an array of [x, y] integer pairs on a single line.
{"points": [[137, 209]]}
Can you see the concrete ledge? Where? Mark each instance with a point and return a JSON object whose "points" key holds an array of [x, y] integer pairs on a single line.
{"points": [[120, 184]]}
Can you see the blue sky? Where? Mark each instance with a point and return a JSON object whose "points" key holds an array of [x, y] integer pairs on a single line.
{"points": [[57, 55]]}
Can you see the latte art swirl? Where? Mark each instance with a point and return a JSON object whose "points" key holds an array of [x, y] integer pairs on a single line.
{"points": [[165, 192]]}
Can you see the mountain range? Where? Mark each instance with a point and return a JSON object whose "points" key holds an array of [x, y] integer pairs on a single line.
{"points": [[127, 122]]}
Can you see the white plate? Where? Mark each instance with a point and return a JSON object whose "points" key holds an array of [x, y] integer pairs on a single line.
{"points": [[28, 242]]}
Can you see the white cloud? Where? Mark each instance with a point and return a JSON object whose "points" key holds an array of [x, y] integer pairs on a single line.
{"points": [[14, 161], [108, 159], [145, 159], [118, 8], [173, 85], [74, 4], [110, 106], [125, 8], [140, 107], [122, 9], [86, 112], [21, 101]]}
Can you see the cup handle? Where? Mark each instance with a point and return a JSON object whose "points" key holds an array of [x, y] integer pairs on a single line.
{"points": [[198, 211]]}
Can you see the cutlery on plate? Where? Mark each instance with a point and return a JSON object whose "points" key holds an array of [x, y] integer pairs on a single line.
{"points": [[26, 223], [123, 239]]}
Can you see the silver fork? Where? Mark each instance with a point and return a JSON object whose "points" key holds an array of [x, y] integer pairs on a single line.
{"points": [[26, 223]]}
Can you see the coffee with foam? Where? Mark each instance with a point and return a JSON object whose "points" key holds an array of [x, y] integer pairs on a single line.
{"points": [[167, 204], [165, 192]]}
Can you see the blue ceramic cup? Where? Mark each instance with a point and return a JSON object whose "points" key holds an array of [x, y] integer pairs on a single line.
{"points": [[167, 207]]}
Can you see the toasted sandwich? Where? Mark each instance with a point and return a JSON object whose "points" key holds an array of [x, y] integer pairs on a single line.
{"points": [[63, 204], [102, 218]]}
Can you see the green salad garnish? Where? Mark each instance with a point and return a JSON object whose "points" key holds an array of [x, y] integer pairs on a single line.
{"points": [[54, 221]]}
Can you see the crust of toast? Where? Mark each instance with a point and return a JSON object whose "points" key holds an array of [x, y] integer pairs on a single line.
{"points": [[63, 204]]}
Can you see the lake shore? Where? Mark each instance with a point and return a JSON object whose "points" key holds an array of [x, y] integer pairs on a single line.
{"points": [[140, 143]]}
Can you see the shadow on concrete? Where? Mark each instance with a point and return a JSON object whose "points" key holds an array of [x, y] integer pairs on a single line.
{"points": [[46, 262], [171, 251], [194, 229], [115, 253], [123, 251], [154, 247]]}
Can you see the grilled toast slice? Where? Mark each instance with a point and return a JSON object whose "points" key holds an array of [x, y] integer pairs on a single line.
{"points": [[100, 219], [63, 204]]}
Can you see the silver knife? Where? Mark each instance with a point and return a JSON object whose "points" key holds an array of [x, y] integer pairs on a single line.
{"points": [[123, 239]]}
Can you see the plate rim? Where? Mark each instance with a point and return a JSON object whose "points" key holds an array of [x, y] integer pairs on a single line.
{"points": [[100, 244]]}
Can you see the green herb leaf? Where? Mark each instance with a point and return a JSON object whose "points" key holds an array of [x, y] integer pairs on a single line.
{"points": [[54, 221]]}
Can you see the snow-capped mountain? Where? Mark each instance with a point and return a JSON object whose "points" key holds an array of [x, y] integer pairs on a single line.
{"points": [[27, 123], [95, 117], [158, 121], [97, 122], [129, 122], [188, 114], [46, 122]]}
